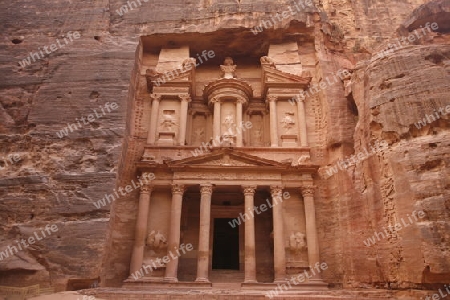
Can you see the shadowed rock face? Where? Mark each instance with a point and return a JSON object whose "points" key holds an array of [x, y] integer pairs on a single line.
{"points": [[57, 180]]}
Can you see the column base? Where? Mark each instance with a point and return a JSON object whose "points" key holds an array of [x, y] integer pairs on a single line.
{"points": [[170, 279], [250, 281], [202, 280], [280, 280]]}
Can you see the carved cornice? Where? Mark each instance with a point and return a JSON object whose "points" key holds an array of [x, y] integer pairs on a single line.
{"points": [[178, 189], [206, 189], [249, 190]]}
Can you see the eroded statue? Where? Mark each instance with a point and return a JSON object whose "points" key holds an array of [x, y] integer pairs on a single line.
{"points": [[297, 242], [156, 240]]}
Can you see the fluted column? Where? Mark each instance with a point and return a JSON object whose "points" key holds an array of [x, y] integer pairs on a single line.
{"points": [[137, 257], [278, 234], [302, 121], [151, 138], [239, 104], [250, 253], [174, 235], [273, 121], [216, 118], [205, 225], [312, 239], [185, 99]]}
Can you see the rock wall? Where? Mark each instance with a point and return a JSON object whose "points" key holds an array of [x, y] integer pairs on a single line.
{"points": [[57, 180]]}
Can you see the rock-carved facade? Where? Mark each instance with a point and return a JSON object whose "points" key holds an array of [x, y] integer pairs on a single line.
{"points": [[223, 143]]}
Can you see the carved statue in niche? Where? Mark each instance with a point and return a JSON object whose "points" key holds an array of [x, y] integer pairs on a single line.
{"points": [[168, 121], [229, 123], [199, 135], [156, 240], [288, 122], [228, 68], [258, 137]]}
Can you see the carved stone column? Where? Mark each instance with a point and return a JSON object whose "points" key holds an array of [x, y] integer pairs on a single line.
{"points": [[140, 235], [278, 234], [250, 253], [312, 239], [205, 225], [174, 235], [216, 118], [151, 138], [185, 99], [302, 121], [239, 104], [273, 121]]}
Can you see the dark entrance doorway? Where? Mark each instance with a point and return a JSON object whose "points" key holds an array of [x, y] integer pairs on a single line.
{"points": [[225, 245]]}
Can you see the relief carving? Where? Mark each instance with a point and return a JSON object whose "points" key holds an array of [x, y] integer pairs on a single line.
{"points": [[288, 122], [198, 136], [257, 137], [168, 121], [229, 122], [297, 242], [156, 240]]}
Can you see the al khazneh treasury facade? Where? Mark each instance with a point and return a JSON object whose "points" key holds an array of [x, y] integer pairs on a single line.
{"points": [[227, 140]]}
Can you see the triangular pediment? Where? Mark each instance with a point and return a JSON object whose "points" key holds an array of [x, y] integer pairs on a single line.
{"points": [[226, 158]]}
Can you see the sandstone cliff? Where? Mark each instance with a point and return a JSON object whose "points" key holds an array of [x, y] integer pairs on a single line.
{"points": [[56, 180]]}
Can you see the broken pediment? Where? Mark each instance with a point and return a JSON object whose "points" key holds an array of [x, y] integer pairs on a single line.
{"points": [[177, 77], [271, 74]]}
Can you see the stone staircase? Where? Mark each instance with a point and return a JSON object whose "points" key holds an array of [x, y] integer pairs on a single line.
{"points": [[231, 294], [226, 276]]}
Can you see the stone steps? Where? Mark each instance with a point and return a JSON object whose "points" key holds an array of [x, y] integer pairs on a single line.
{"points": [[222, 292], [224, 276]]}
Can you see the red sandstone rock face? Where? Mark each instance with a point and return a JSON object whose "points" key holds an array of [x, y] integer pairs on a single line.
{"points": [[57, 180]]}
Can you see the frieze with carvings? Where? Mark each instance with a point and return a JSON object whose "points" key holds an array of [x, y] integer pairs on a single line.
{"points": [[226, 162], [198, 175]]}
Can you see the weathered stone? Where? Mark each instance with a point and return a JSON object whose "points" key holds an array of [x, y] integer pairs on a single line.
{"points": [[59, 180]]}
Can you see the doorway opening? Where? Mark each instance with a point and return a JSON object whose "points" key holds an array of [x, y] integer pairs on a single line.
{"points": [[225, 245]]}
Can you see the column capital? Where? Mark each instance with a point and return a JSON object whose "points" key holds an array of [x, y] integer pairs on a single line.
{"points": [[241, 100], [215, 100], [206, 188], [185, 97], [249, 190], [308, 190], [300, 98], [276, 190], [155, 97], [146, 189], [178, 189], [272, 98]]}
